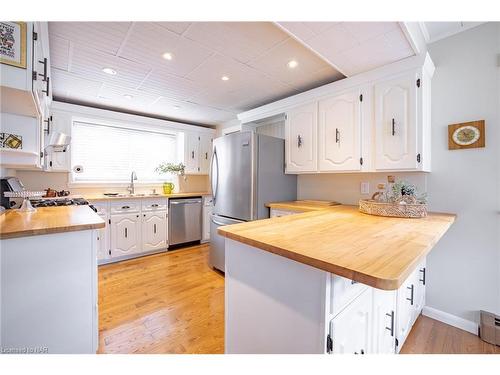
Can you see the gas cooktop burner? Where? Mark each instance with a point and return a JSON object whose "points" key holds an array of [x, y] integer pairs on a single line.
{"points": [[60, 202]]}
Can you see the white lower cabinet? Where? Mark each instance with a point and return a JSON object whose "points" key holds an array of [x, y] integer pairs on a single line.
{"points": [[384, 321], [154, 230], [103, 249], [350, 329], [125, 234], [278, 213], [370, 320]]}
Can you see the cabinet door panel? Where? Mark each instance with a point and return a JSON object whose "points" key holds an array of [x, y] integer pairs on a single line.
{"points": [[384, 321], [154, 231], [191, 152], [350, 329], [340, 133], [103, 244], [205, 153], [301, 139], [405, 310], [125, 234], [395, 123]]}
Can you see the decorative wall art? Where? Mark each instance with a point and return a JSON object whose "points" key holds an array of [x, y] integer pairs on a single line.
{"points": [[8, 140], [466, 135], [13, 43]]}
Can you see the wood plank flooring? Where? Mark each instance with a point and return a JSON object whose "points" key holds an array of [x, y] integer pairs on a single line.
{"points": [[174, 303], [429, 336], [166, 303]]}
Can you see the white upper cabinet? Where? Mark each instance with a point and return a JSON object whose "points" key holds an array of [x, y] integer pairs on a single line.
{"points": [[197, 152], [301, 139], [339, 132], [396, 123], [205, 153], [388, 130], [57, 161]]}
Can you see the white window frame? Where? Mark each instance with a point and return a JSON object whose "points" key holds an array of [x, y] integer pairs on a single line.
{"points": [[130, 126]]}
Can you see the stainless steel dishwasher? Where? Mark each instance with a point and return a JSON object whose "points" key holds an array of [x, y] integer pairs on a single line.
{"points": [[184, 220]]}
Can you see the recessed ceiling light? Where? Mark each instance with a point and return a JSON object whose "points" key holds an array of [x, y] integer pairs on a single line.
{"points": [[292, 64], [109, 71], [177, 107], [225, 78], [128, 96], [167, 56]]}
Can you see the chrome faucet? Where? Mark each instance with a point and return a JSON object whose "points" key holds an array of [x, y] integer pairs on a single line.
{"points": [[131, 187]]}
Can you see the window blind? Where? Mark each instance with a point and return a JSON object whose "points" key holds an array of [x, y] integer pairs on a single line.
{"points": [[110, 153]]}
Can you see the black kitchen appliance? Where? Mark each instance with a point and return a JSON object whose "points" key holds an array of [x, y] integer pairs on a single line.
{"points": [[9, 184]]}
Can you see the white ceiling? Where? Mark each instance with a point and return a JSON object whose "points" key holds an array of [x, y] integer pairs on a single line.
{"points": [[254, 55], [434, 31]]}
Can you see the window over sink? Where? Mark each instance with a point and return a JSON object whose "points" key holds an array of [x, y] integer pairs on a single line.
{"points": [[108, 153]]}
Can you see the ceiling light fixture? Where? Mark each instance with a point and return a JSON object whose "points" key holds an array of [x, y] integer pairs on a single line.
{"points": [[177, 107], [109, 71], [128, 96], [167, 56], [292, 64], [225, 78]]}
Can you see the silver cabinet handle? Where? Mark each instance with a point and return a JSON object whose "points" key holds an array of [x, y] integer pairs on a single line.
{"points": [[154, 228], [154, 205], [125, 207], [412, 288], [126, 232], [337, 135], [391, 328], [299, 141], [393, 127], [354, 282], [192, 154], [423, 276]]}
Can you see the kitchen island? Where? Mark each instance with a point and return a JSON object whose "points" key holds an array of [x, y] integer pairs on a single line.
{"points": [[48, 273], [331, 280]]}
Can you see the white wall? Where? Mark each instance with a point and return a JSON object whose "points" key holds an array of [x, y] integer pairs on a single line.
{"points": [[464, 267], [465, 88]]}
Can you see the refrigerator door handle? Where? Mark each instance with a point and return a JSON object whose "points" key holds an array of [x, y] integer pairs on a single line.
{"points": [[233, 221], [212, 179]]}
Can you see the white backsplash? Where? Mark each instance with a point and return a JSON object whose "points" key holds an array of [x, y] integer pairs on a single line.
{"points": [[345, 188]]}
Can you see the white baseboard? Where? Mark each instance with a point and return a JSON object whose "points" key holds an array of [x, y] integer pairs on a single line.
{"points": [[450, 319]]}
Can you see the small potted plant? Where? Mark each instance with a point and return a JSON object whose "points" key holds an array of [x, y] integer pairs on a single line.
{"points": [[172, 169]]}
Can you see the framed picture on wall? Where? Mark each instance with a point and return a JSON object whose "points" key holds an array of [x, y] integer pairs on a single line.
{"points": [[13, 43]]}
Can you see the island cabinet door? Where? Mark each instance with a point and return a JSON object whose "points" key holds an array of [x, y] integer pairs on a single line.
{"points": [[125, 234], [384, 321], [301, 139], [154, 231], [339, 133], [350, 330], [396, 123], [419, 280], [103, 251], [405, 310]]}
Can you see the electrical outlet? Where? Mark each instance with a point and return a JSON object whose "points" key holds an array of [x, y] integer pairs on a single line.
{"points": [[365, 188]]}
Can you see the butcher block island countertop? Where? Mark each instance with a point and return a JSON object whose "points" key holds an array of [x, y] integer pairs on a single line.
{"points": [[377, 251], [48, 220], [302, 205]]}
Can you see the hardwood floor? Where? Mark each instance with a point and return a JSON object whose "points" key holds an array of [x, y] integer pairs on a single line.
{"points": [[429, 336], [166, 303], [174, 303]]}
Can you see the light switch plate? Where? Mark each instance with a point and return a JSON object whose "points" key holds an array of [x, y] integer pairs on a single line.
{"points": [[365, 188]]}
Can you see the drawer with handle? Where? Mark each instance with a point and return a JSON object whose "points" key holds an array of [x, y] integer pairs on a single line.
{"points": [[101, 206], [343, 291], [155, 204], [124, 206]]}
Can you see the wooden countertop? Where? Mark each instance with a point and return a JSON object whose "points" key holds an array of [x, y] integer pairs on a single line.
{"points": [[47, 220], [101, 197], [302, 205], [377, 251]]}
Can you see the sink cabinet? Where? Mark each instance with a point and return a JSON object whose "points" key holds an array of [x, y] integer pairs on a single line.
{"points": [[154, 230], [125, 234]]}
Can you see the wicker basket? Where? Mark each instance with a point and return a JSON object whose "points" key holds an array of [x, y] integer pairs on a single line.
{"points": [[371, 207]]}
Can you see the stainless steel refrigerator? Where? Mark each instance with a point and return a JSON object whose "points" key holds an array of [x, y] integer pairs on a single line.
{"points": [[247, 171]]}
